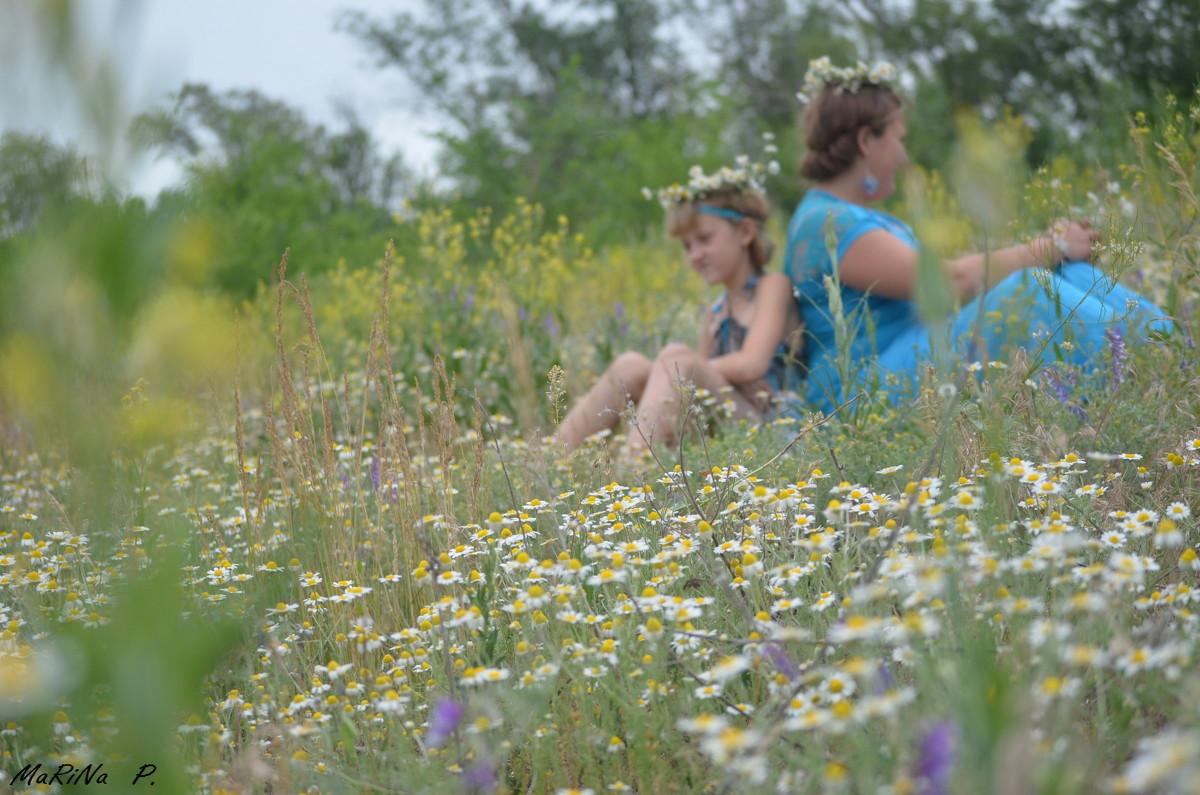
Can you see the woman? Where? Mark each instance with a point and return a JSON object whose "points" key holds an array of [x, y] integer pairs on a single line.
{"points": [[854, 130], [749, 340]]}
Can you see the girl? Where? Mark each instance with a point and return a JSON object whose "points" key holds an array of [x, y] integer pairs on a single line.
{"points": [[749, 340]]}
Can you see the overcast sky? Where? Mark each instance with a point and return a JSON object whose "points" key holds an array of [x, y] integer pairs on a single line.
{"points": [[286, 49]]}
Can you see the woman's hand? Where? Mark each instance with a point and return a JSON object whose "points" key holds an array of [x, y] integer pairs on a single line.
{"points": [[1074, 239]]}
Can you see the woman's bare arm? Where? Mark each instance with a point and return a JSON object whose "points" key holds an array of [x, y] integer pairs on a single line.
{"points": [[884, 265]]}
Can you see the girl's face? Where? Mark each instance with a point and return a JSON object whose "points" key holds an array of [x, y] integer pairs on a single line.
{"points": [[719, 249], [885, 155]]}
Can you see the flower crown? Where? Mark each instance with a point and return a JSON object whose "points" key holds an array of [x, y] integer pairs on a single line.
{"points": [[822, 73], [743, 175]]}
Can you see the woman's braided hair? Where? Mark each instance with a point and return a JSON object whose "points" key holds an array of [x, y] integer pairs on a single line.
{"points": [[831, 124]]}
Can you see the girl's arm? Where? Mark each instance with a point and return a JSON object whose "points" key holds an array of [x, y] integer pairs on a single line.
{"points": [[772, 306], [884, 265], [707, 334]]}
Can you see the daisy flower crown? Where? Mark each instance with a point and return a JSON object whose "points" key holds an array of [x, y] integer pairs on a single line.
{"points": [[822, 74], [743, 175]]}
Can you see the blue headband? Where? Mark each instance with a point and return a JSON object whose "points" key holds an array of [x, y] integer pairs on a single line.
{"points": [[732, 215]]}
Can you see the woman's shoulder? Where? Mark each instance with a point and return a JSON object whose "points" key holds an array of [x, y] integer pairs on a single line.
{"points": [[849, 220], [818, 210], [822, 203]]}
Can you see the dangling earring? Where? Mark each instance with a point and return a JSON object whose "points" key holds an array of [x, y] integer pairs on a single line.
{"points": [[870, 183]]}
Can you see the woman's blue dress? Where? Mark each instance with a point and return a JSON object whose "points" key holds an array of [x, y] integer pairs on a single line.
{"points": [[1035, 308]]}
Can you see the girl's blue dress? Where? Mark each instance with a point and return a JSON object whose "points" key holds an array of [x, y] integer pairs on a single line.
{"points": [[1035, 308]]}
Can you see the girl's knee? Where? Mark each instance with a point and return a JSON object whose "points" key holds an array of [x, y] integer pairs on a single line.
{"points": [[631, 368], [630, 362], [676, 352], [677, 360]]}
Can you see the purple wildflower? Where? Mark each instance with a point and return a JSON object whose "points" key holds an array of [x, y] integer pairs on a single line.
{"points": [[885, 678], [444, 720], [935, 759], [480, 777], [1063, 393], [619, 314], [469, 301], [375, 473], [550, 325], [780, 659], [1120, 355]]}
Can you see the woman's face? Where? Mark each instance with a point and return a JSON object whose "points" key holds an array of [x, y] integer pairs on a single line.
{"points": [[717, 248], [885, 155]]}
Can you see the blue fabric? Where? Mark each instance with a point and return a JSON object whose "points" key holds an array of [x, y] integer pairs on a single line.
{"points": [[723, 212], [1036, 308]]}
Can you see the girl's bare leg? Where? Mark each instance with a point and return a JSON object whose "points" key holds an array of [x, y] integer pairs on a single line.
{"points": [[658, 411], [600, 409]]}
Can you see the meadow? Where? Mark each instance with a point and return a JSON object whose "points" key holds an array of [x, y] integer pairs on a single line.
{"points": [[324, 545]]}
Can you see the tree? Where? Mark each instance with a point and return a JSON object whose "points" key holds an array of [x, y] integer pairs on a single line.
{"points": [[1068, 68], [36, 173], [51, 200], [1149, 45], [566, 105], [266, 180]]}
